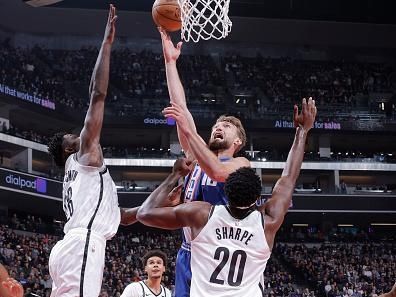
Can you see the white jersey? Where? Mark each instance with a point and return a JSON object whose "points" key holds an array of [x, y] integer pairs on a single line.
{"points": [[140, 289], [90, 199], [229, 255]]}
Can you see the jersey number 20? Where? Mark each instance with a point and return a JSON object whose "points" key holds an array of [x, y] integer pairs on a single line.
{"points": [[226, 255]]}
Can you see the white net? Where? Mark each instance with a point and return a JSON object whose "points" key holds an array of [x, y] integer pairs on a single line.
{"points": [[204, 19]]}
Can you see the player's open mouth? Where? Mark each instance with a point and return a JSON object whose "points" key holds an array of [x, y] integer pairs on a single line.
{"points": [[218, 136]]}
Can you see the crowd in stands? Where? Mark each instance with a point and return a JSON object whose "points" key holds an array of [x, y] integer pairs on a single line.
{"points": [[313, 234], [329, 82], [29, 70], [26, 242], [29, 135], [342, 269], [26, 258], [337, 263], [138, 82]]}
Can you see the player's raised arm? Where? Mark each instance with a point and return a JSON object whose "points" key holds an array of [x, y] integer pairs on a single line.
{"points": [[128, 215], [162, 208], [194, 214], [206, 158], [90, 152], [166, 192], [277, 207], [175, 87]]}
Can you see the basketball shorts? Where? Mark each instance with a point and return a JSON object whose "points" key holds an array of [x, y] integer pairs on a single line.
{"points": [[76, 264], [183, 273]]}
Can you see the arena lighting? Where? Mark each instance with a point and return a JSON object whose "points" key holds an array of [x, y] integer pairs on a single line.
{"points": [[59, 222], [345, 225], [383, 224], [300, 225], [382, 106], [39, 3]]}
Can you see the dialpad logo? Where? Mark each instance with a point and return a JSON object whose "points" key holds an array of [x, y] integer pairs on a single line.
{"points": [[37, 184], [154, 121]]}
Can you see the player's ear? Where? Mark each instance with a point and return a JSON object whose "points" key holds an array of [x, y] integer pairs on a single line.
{"points": [[238, 142]]}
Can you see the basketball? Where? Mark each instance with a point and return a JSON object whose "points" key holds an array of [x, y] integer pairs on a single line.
{"points": [[166, 14]]}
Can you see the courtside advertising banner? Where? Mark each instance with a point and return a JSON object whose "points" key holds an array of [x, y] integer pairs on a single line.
{"points": [[30, 184]]}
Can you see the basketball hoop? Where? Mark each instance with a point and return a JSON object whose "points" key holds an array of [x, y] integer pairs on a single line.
{"points": [[204, 19]]}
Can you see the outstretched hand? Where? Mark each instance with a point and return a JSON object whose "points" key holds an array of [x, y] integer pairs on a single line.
{"points": [[110, 26], [182, 166], [12, 287], [307, 116], [176, 112], [171, 53]]}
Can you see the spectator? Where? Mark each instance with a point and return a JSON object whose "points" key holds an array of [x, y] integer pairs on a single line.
{"points": [[343, 187]]}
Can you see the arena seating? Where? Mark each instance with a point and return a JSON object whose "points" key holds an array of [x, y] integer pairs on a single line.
{"points": [[253, 87], [342, 264]]}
